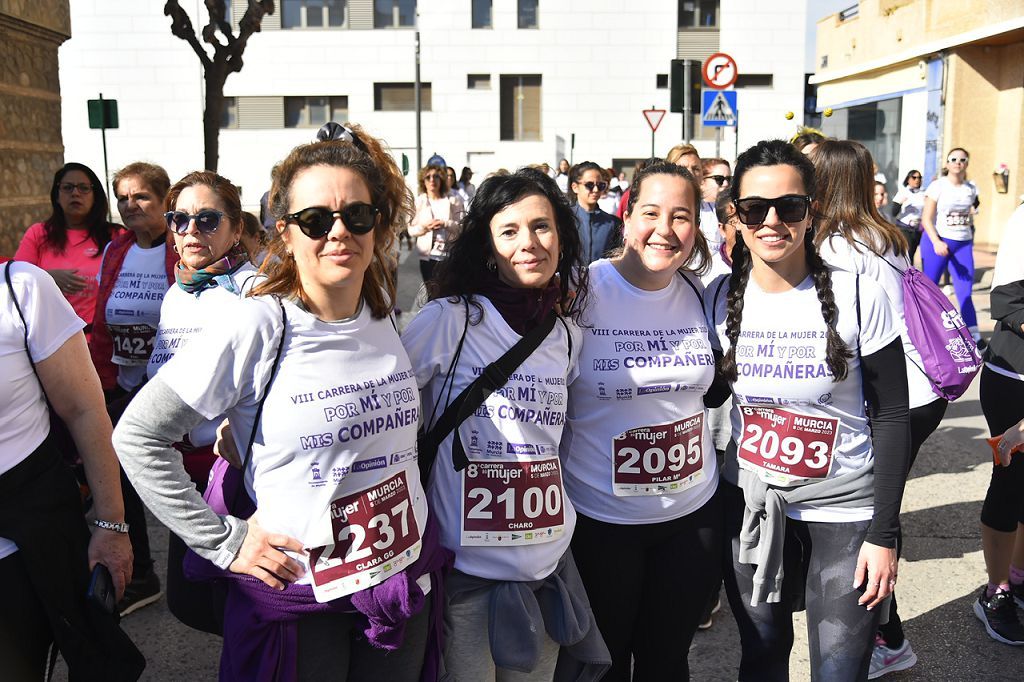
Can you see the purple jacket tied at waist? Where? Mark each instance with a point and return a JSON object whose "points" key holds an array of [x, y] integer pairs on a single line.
{"points": [[260, 630]]}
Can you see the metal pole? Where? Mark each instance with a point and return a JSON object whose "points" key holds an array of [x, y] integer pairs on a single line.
{"points": [[572, 147], [106, 170], [687, 86], [718, 141], [419, 106], [652, 135]]}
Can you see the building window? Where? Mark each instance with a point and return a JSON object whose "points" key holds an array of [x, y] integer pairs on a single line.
{"points": [[482, 13], [698, 13], [527, 13], [520, 107], [314, 13], [754, 80], [229, 117], [661, 81], [400, 96], [394, 13], [313, 112], [478, 81]]}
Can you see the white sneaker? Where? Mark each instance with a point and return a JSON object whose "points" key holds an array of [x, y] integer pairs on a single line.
{"points": [[885, 660]]}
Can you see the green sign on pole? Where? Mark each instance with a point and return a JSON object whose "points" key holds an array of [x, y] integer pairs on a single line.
{"points": [[102, 113]]}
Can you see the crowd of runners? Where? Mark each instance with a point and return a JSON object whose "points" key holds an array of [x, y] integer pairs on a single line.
{"points": [[613, 398]]}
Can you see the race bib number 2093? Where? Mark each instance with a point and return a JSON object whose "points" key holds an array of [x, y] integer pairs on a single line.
{"points": [[784, 447]]}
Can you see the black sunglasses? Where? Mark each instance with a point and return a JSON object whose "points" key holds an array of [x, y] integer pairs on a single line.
{"points": [[316, 221], [721, 179], [601, 186], [791, 208], [207, 221]]}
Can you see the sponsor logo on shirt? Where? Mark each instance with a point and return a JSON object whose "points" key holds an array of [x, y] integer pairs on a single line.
{"points": [[370, 464], [657, 388]]}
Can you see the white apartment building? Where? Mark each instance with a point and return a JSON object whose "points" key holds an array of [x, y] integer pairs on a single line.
{"points": [[505, 82]]}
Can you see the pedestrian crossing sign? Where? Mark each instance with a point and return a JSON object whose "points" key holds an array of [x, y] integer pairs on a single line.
{"points": [[719, 108]]}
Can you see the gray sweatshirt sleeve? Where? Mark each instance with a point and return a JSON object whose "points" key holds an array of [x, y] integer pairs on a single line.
{"points": [[154, 420]]}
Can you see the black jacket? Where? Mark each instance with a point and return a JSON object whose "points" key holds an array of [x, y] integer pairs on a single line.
{"points": [[1006, 347]]}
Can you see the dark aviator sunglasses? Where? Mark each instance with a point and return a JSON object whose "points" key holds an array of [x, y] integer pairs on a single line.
{"points": [[790, 208], [316, 221]]}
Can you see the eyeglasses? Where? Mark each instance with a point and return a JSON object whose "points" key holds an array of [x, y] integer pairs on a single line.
{"points": [[790, 208], [720, 179], [69, 187], [316, 221], [914, 177], [207, 221], [957, 159], [432, 178], [600, 186]]}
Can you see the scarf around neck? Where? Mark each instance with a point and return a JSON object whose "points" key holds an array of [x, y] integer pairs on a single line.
{"points": [[217, 273], [523, 309]]}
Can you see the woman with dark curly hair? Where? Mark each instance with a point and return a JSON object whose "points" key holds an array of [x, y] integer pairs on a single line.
{"points": [[69, 244], [814, 356], [496, 486]]}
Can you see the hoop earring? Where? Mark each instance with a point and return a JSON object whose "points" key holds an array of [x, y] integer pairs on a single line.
{"points": [[491, 265], [175, 247]]}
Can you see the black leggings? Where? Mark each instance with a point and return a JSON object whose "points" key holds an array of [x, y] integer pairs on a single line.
{"points": [[923, 422], [648, 584], [25, 634], [818, 562], [1002, 401]]}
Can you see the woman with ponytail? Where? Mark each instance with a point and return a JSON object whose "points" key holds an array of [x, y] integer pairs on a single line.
{"points": [[814, 356], [321, 537]]}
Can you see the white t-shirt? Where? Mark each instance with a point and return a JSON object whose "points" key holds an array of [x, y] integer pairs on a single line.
{"points": [[838, 253], [954, 208], [518, 428], [911, 203], [709, 225], [718, 268], [24, 418], [340, 417], [781, 363], [183, 316], [645, 367], [133, 311]]}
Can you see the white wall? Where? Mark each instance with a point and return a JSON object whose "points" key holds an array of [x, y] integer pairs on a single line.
{"points": [[598, 60], [912, 135]]}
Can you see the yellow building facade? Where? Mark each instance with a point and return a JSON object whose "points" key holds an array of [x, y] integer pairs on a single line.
{"points": [[914, 78]]}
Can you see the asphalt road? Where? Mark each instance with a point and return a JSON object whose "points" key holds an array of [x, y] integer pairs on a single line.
{"points": [[940, 572]]}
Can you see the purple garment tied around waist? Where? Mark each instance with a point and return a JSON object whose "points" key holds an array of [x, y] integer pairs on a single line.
{"points": [[260, 623]]}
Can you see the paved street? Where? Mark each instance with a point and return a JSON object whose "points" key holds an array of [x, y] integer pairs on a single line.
{"points": [[940, 573]]}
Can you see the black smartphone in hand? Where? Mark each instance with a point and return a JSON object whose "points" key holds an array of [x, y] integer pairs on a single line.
{"points": [[101, 589]]}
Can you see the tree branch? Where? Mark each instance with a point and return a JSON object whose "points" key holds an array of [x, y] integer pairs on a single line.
{"points": [[181, 27], [250, 23]]}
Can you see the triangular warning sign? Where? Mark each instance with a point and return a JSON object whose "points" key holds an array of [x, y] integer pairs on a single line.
{"points": [[654, 117], [720, 110]]}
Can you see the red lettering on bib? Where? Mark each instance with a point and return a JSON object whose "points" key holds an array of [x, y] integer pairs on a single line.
{"points": [[375, 536], [784, 447], [663, 459], [133, 343], [512, 502]]}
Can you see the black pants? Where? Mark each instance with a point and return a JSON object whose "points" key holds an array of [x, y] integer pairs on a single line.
{"points": [[648, 584], [25, 632], [1002, 401], [923, 422], [818, 561], [134, 509]]}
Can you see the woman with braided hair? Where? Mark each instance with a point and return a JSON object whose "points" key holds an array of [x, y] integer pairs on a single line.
{"points": [[812, 354]]}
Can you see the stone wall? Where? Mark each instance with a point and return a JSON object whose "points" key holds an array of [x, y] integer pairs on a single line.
{"points": [[31, 149]]}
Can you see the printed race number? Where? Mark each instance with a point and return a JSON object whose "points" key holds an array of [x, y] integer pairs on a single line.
{"points": [[512, 503], [664, 459], [784, 447], [375, 536], [959, 219], [133, 343]]}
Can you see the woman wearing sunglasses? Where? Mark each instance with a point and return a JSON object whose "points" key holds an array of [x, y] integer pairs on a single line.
{"points": [[69, 244], [908, 205], [437, 217], [812, 354], [322, 537], [640, 465], [950, 203], [600, 232], [850, 235], [496, 485], [138, 268]]}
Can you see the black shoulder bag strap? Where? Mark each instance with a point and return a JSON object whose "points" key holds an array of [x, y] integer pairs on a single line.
{"points": [[263, 399], [494, 376]]}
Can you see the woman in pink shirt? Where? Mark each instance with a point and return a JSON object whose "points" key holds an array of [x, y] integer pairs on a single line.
{"points": [[69, 244]]}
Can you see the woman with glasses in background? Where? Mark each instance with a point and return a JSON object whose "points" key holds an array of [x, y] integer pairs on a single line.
{"points": [[437, 218], [950, 203], [717, 179], [600, 232], [69, 243], [907, 206]]}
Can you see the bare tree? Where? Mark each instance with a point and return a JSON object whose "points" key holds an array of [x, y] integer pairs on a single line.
{"points": [[226, 58]]}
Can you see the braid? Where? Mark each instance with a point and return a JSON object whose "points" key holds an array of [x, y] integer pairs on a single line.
{"points": [[836, 350], [734, 317]]}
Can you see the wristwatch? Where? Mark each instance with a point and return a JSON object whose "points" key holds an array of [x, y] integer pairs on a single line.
{"points": [[110, 525]]}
